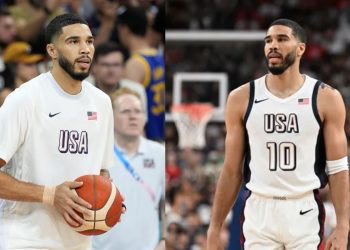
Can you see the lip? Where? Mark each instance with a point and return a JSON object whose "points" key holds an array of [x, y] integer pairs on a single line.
{"points": [[83, 60], [275, 55]]}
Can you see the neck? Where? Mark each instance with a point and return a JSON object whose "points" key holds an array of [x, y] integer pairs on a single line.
{"points": [[286, 84], [128, 144], [66, 82], [137, 43], [18, 82], [107, 88]]}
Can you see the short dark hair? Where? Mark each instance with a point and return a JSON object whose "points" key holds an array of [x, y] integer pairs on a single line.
{"points": [[297, 30], [4, 12], [55, 26], [106, 48], [134, 18]]}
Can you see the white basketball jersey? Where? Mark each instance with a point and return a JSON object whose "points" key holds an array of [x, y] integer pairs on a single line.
{"points": [[48, 137], [285, 152]]}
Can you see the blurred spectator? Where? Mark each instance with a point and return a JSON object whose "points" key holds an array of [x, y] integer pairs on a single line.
{"points": [[21, 64], [139, 175], [8, 34], [102, 20], [157, 32], [8, 30], [146, 66], [108, 67], [32, 15]]}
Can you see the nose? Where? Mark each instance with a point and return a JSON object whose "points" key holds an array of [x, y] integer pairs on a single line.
{"points": [[273, 45], [84, 48]]}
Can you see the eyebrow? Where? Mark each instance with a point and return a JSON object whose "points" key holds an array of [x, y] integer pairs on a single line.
{"points": [[77, 37], [278, 35]]}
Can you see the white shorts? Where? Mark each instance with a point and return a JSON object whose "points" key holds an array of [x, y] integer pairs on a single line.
{"points": [[274, 223]]}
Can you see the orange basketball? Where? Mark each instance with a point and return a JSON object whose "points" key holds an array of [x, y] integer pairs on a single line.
{"points": [[106, 203]]}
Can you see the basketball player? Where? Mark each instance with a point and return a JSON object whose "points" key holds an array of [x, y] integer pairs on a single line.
{"points": [[145, 66], [53, 129], [139, 172], [289, 129]]}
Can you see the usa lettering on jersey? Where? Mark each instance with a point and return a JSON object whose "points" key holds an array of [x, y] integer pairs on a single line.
{"points": [[281, 123], [73, 142]]}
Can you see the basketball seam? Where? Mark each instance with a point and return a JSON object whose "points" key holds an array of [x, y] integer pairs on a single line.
{"points": [[94, 190]]}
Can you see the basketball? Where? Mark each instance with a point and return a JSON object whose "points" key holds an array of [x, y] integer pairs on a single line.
{"points": [[106, 203]]}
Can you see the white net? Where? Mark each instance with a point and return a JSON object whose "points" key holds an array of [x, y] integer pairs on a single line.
{"points": [[191, 121]]}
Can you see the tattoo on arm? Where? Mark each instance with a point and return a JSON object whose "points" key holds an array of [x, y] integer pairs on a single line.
{"points": [[324, 85]]}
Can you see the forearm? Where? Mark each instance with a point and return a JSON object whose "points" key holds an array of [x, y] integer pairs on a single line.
{"points": [[226, 193], [104, 32], [13, 189], [339, 191]]}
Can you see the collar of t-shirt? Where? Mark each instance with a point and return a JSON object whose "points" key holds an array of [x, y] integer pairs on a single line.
{"points": [[141, 150]]}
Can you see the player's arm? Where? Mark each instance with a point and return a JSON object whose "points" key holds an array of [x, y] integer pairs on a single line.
{"points": [[135, 70], [332, 110], [13, 189], [231, 175], [61, 196]]}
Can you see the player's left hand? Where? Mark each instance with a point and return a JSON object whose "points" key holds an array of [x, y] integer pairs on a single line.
{"points": [[338, 240]]}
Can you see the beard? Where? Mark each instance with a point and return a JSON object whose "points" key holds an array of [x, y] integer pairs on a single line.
{"points": [[287, 62], [69, 68]]}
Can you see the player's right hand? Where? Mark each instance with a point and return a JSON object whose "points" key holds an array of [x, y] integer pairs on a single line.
{"points": [[68, 203], [213, 239]]}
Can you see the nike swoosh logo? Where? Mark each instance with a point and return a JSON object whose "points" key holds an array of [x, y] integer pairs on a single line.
{"points": [[257, 101], [52, 115], [304, 212]]}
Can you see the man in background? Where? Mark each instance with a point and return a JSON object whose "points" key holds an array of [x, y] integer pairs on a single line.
{"points": [[145, 66], [108, 67], [21, 64], [139, 174]]}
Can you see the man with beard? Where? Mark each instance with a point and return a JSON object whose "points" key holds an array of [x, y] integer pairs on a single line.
{"points": [[289, 130], [53, 129]]}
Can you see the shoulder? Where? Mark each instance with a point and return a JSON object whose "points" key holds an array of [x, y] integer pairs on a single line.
{"points": [[153, 146], [329, 101], [28, 90], [238, 100], [136, 62], [96, 92]]}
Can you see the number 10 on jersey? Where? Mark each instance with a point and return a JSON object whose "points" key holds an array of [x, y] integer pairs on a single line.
{"points": [[282, 155]]}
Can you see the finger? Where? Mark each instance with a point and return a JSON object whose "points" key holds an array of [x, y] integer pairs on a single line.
{"points": [[123, 208], [75, 216], [74, 184], [328, 245], [69, 220], [81, 201], [86, 212]]}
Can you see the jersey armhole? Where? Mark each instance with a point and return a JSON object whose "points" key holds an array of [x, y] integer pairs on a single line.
{"points": [[314, 102], [251, 100]]}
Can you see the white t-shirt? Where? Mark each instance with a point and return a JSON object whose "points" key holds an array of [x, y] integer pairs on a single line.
{"points": [[48, 137], [139, 228]]}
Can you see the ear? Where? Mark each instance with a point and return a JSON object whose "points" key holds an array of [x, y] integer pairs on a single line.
{"points": [[51, 50], [301, 49]]}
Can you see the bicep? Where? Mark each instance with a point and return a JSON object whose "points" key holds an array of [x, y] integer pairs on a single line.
{"points": [[235, 136], [134, 71], [333, 130]]}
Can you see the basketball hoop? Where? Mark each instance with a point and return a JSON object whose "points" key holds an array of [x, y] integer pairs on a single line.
{"points": [[191, 120]]}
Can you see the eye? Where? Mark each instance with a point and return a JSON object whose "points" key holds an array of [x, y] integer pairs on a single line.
{"points": [[282, 39], [90, 41], [73, 41]]}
